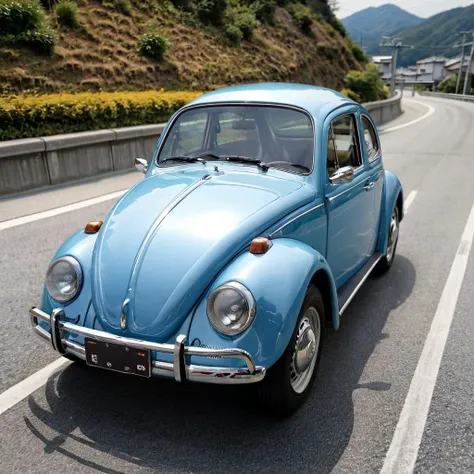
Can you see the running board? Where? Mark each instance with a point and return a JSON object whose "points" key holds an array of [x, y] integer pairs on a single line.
{"points": [[349, 289]]}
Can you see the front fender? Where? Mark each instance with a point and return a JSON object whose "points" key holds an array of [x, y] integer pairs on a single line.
{"points": [[392, 196], [278, 280]]}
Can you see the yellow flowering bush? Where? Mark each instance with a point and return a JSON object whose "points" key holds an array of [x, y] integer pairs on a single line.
{"points": [[23, 116]]}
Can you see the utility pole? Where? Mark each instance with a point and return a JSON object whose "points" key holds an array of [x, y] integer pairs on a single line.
{"points": [[396, 44], [461, 65], [467, 80]]}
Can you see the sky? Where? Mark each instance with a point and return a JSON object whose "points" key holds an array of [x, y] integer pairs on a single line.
{"points": [[423, 8]]}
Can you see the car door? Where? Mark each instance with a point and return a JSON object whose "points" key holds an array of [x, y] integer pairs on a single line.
{"points": [[350, 204], [373, 156]]}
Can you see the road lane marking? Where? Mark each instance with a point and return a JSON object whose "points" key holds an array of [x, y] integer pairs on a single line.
{"points": [[409, 201], [403, 452], [431, 111], [60, 210], [26, 387]]}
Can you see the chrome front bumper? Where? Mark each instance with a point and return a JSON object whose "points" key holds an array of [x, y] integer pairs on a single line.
{"points": [[179, 369]]}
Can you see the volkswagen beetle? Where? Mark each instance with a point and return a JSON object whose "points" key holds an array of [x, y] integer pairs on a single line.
{"points": [[263, 210]]}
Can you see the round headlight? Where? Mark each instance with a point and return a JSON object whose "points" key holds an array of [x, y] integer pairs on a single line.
{"points": [[64, 279], [231, 308]]}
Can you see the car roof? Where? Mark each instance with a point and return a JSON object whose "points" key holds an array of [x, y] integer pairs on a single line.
{"points": [[318, 101]]}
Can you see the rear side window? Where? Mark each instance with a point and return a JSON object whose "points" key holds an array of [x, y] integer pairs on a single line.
{"points": [[370, 139], [344, 151]]}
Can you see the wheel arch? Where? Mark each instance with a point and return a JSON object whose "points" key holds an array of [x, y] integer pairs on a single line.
{"points": [[324, 282]]}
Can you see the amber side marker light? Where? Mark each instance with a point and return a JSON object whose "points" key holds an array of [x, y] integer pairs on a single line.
{"points": [[93, 227], [260, 245]]}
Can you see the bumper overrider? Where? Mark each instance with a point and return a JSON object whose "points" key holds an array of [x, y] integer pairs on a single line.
{"points": [[179, 369]]}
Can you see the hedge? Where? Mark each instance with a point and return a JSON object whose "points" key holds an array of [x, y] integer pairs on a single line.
{"points": [[26, 116]]}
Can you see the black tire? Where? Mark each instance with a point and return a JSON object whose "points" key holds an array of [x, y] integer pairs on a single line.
{"points": [[386, 261], [276, 392]]}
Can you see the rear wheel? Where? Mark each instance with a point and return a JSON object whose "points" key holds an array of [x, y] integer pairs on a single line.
{"points": [[386, 261], [288, 383]]}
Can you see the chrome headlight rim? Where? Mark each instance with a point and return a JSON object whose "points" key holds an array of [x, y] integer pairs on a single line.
{"points": [[250, 300], [76, 266]]}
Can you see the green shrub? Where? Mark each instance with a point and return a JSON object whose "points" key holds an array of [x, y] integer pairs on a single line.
{"points": [[123, 6], [211, 11], [153, 45], [19, 16], [357, 52], [264, 10], [41, 41], [302, 16], [67, 13], [233, 34], [242, 18], [366, 84]]}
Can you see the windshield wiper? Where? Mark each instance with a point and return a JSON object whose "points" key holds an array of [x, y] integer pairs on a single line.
{"points": [[188, 159], [245, 159]]}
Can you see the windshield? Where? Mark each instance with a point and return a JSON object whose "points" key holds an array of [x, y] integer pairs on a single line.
{"points": [[278, 137]]}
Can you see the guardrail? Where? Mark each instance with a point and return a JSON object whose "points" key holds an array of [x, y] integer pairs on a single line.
{"points": [[441, 95], [32, 163]]}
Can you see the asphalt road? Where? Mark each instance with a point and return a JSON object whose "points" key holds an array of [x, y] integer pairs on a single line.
{"points": [[85, 420]]}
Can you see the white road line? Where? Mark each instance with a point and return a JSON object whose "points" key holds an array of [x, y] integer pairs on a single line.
{"points": [[26, 387], [431, 111], [59, 210], [409, 200], [402, 454]]}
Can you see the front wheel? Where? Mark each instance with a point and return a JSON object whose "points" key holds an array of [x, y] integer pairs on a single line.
{"points": [[386, 261], [288, 383]]}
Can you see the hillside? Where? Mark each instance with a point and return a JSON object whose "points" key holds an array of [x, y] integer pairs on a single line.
{"points": [[437, 35], [369, 25], [101, 53]]}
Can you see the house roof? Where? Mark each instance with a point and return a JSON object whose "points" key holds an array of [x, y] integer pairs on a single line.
{"points": [[432, 59], [381, 59]]}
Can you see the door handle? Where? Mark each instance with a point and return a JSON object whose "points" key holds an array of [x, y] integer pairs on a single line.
{"points": [[369, 186]]}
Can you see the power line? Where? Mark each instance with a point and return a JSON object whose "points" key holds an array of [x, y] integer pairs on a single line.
{"points": [[396, 44]]}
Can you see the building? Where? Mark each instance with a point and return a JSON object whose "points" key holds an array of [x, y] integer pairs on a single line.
{"points": [[431, 69], [451, 67], [384, 64]]}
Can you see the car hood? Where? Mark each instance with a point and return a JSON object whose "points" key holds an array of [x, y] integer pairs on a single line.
{"points": [[166, 240]]}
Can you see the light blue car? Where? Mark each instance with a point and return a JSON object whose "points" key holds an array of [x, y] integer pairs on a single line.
{"points": [[261, 214]]}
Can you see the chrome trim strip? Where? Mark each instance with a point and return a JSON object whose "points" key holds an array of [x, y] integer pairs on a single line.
{"points": [[332, 198], [178, 370], [295, 218], [357, 288]]}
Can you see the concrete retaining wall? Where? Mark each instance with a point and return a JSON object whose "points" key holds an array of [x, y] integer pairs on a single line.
{"points": [[384, 111], [37, 162]]}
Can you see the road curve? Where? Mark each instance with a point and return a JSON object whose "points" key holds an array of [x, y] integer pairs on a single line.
{"points": [[92, 421]]}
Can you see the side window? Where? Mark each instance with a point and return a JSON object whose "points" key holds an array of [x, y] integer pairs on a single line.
{"points": [[370, 139], [188, 134], [346, 143]]}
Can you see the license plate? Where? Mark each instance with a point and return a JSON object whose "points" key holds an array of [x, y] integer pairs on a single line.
{"points": [[118, 358]]}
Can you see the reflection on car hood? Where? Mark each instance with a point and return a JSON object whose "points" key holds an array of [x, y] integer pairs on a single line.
{"points": [[165, 241]]}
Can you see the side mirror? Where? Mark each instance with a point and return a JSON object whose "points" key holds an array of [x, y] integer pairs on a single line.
{"points": [[141, 165], [342, 175]]}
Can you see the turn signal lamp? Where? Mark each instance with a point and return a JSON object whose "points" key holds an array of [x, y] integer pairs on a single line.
{"points": [[260, 245], [93, 227]]}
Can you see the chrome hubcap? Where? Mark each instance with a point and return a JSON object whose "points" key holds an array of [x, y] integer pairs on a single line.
{"points": [[393, 235], [305, 351]]}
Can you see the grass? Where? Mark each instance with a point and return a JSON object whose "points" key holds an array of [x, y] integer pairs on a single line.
{"points": [[101, 54]]}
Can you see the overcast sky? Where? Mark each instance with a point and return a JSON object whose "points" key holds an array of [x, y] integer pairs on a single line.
{"points": [[423, 8]]}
